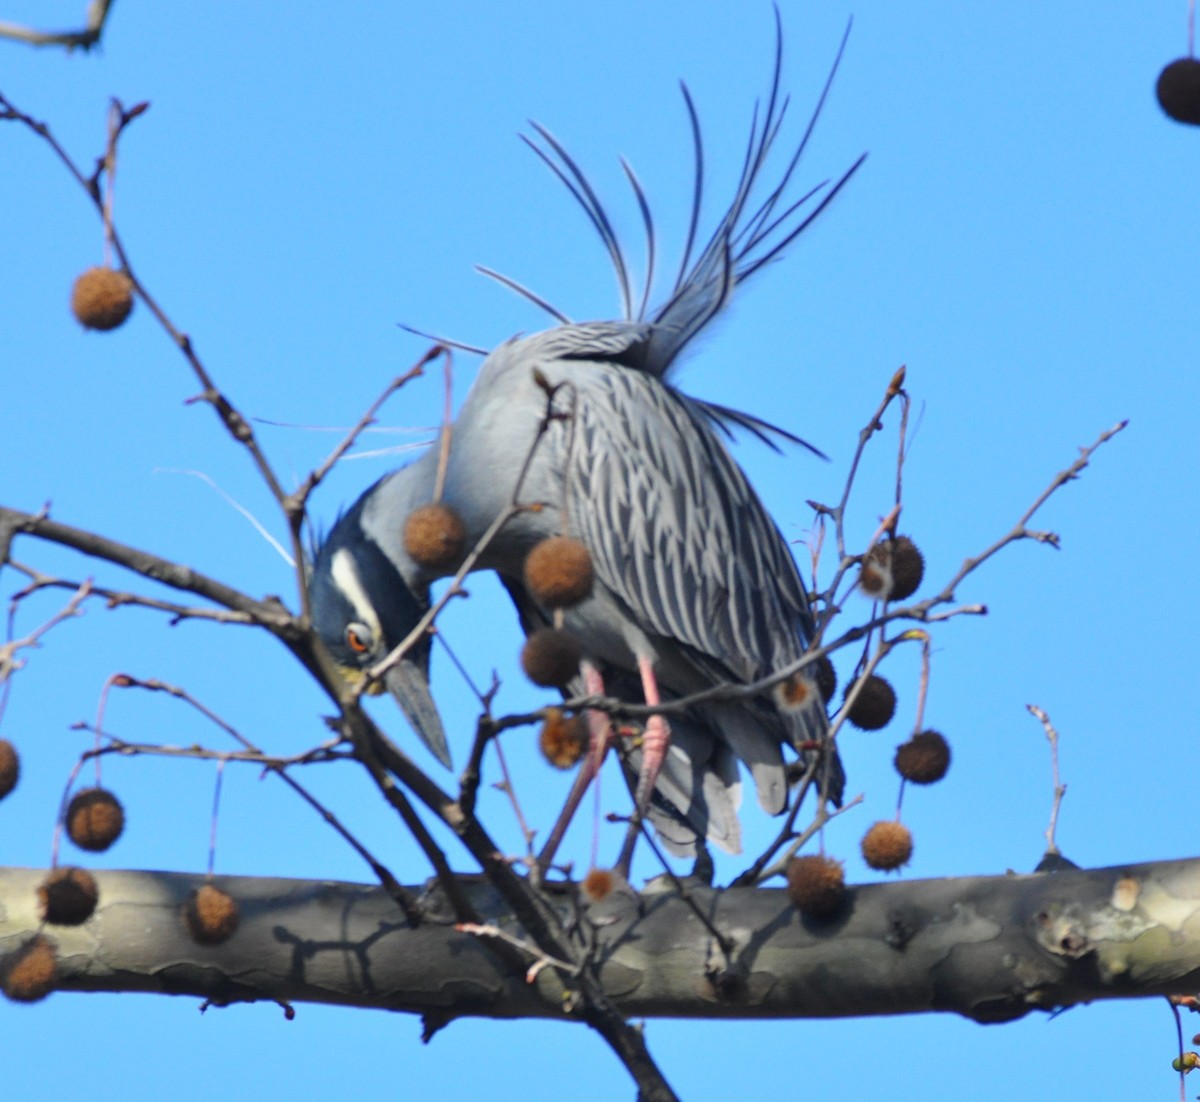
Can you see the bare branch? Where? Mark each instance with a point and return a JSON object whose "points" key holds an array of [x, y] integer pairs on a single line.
{"points": [[251, 753], [116, 598], [1060, 789], [1020, 531], [270, 613], [235, 424]]}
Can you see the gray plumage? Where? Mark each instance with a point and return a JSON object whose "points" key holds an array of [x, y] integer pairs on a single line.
{"points": [[692, 574]]}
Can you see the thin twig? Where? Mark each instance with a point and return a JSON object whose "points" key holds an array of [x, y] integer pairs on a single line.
{"points": [[541, 958], [1060, 789], [270, 613], [8, 650], [216, 811], [921, 612], [403, 897], [824, 816], [725, 943], [235, 424], [116, 598]]}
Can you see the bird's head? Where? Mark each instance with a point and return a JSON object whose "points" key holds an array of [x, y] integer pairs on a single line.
{"points": [[363, 608]]}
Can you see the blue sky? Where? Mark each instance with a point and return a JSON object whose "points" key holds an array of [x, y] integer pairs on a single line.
{"points": [[1022, 236]]}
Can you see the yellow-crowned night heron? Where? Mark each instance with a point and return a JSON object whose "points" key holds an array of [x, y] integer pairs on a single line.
{"points": [[695, 586]]}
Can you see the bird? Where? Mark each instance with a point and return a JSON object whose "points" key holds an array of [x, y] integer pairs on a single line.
{"points": [[695, 586]]}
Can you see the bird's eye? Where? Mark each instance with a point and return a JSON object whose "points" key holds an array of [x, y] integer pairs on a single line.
{"points": [[358, 638]]}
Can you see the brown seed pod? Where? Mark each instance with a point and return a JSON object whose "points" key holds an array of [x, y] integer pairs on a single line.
{"points": [[563, 739], [598, 884], [10, 767], [102, 298], [68, 896], [887, 845], [875, 704], [826, 677], [816, 885], [924, 758], [1178, 90], [435, 536], [558, 572], [875, 577], [550, 657], [908, 568], [210, 915], [796, 692], [95, 819], [29, 973], [893, 570]]}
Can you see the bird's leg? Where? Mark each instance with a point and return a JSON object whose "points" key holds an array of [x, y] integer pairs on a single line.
{"points": [[655, 740], [601, 732]]}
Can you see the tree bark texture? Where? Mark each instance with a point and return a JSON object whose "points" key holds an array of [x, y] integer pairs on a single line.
{"points": [[990, 948]]}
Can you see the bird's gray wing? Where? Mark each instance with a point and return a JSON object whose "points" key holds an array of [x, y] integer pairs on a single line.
{"points": [[676, 532]]}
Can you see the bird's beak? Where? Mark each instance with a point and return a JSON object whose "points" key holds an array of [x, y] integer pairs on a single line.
{"points": [[409, 685]]}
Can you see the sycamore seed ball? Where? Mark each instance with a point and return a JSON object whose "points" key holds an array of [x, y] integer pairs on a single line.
{"points": [[1178, 90], [816, 885], [598, 884], [887, 845], [68, 896], [893, 570], [558, 572], [550, 657], [102, 298], [908, 568], [924, 758], [10, 767], [563, 739], [435, 536], [875, 578], [29, 973], [210, 915], [796, 692], [875, 704], [95, 819], [826, 677]]}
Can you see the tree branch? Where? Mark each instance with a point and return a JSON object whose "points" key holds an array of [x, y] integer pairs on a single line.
{"points": [[988, 948], [270, 613]]}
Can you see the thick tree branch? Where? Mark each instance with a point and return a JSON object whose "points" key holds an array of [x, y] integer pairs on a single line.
{"points": [[989, 948]]}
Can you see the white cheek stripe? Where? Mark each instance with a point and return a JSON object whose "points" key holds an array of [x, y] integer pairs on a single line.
{"points": [[345, 576]]}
